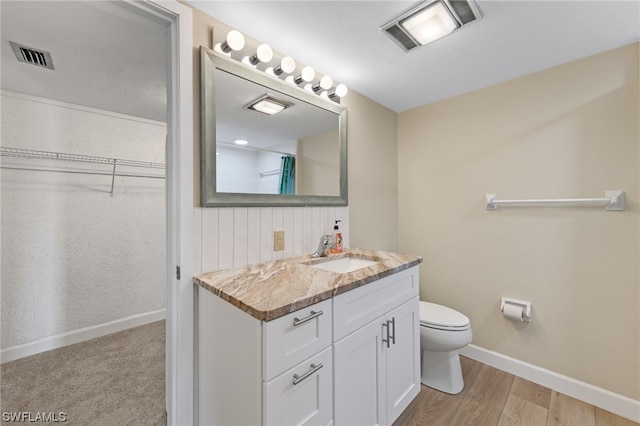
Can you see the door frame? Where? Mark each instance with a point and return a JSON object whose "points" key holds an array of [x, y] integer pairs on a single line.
{"points": [[179, 208]]}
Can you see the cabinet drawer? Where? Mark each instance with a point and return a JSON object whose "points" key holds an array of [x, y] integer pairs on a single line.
{"points": [[291, 339], [359, 307], [302, 395]]}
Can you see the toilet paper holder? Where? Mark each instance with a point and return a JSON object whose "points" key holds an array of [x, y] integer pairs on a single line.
{"points": [[524, 305]]}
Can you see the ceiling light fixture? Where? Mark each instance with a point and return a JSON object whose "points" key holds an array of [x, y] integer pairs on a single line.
{"points": [[241, 142], [429, 21], [269, 105], [430, 24]]}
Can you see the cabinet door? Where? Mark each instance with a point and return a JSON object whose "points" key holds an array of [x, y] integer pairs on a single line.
{"points": [[359, 377], [403, 358], [301, 395]]}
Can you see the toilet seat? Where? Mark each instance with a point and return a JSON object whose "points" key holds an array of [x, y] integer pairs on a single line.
{"points": [[441, 317]]}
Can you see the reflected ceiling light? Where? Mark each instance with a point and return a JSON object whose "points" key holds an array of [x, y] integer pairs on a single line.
{"points": [[241, 142], [233, 41], [429, 21], [325, 83], [268, 104], [340, 91], [264, 53], [306, 75]]}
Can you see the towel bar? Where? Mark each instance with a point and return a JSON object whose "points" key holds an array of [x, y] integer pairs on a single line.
{"points": [[613, 200]]}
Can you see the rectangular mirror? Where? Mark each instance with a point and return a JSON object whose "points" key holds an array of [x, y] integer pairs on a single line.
{"points": [[296, 157]]}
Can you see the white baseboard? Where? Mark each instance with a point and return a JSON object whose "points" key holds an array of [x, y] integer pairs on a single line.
{"points": [[609, 401], [80, 335]]}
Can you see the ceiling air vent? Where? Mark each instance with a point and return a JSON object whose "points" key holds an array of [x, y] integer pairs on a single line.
{"points": [[32, 56], [430, 20]]}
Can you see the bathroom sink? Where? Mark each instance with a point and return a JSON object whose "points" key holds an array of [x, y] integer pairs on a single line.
{"points": [[344, 265]]}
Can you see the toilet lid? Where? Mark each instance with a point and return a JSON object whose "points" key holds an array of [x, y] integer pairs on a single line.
{"points": [[438, 316]]}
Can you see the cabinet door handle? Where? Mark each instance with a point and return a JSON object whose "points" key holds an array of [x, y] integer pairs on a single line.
{"points": [[393, 330], [297, 379], [386, 340], [311, 316]]}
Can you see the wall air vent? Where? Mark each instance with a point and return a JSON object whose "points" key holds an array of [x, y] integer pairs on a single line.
{"points": [[429, 21], [32, 56]]}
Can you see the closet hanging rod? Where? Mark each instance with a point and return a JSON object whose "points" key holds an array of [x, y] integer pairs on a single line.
{"points": [[32, 169], [613, 200]]}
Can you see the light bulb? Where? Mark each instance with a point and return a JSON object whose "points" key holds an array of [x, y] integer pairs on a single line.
{"points": [[307, 74], [287, 66], [340, 91], [325, 83], [264, 53], [233, 41]]}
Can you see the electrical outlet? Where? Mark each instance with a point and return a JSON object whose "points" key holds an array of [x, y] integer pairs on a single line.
{"points": [[278, 240]]}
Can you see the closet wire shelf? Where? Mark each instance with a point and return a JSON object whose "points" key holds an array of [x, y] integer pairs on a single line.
{"points": [[117, 167]]}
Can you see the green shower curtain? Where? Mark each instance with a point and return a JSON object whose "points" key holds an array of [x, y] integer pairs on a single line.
{"points": [[287, 175]]}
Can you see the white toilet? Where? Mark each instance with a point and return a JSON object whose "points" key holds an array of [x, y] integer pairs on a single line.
{"points": [[442, 332]]}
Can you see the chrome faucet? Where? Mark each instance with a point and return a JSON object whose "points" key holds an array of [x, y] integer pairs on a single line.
{"points": [[323, 247]]}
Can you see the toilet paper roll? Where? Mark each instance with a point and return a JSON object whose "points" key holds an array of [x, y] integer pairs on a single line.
{"points": [[513, 312]]}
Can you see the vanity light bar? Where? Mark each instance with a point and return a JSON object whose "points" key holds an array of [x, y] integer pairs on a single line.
{"points": [[263, 54]]}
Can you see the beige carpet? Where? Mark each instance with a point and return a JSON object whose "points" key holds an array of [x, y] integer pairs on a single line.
{"points": [[117, 379]]}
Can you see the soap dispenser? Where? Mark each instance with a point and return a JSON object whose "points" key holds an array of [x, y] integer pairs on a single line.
{"points": [[337, 238]]}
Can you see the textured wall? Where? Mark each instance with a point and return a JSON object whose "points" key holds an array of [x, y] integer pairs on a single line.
{"points": [[570, 131], [73, 255]]}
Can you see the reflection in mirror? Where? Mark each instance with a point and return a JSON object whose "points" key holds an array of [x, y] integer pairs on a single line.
{"points": [[305, 132], [252, 156]]}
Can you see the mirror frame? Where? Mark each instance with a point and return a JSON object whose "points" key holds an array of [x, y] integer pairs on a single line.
{"points": [[209, 197]]}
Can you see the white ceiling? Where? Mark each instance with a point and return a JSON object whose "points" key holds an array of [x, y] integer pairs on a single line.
{"points": [[514, 38], [106, 55], [109, 57]]}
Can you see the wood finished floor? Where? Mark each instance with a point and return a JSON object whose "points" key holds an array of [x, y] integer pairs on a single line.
{"points": [[493, 397]]}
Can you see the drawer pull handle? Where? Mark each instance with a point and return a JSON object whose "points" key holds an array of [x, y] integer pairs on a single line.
{"points": [[297, 379], [311, 316]]}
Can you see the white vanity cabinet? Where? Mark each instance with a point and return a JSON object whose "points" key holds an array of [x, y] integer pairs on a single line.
{"points": [[376, 350], [251, 372], [351, 359]]}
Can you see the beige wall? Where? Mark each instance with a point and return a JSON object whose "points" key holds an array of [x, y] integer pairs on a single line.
{"points": [[318, 164], [571, 131], [373, 173]]}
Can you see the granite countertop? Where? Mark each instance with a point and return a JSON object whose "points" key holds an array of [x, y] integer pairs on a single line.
{"points": [[273, 289]]}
